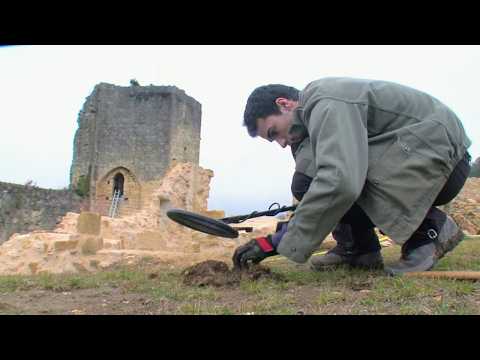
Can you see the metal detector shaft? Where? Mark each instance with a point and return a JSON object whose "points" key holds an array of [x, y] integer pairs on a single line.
{"points": [[240, 218]]}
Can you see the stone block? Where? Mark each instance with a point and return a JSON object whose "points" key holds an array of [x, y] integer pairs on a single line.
{"points": [[89, 223], [150, 240], [106, 229], [90, 244], [62, 245], [128, 241]]}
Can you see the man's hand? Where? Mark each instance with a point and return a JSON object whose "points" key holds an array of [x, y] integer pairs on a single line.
{"points": [[255, 251]]}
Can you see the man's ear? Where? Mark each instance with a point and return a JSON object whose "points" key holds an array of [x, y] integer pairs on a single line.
{"points": [[283, 104]]}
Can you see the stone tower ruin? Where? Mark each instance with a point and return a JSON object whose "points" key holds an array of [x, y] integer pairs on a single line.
{"points": [[128, 137]]}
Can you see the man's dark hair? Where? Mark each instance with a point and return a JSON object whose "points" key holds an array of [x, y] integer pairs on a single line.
{"points": [[261, 103]]}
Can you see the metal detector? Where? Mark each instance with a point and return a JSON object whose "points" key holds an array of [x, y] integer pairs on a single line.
{"points": [[220, 227]]}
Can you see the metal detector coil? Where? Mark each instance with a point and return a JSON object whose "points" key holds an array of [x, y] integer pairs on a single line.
{"points": [[202, 223], [220, 227]]}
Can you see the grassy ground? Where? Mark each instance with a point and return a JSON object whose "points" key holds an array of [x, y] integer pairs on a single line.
{"points": [[147, 289]]}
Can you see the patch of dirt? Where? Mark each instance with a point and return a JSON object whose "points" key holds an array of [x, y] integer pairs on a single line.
{"points": [[217, 273], [5, 308], [97, 301], [360, 284]]}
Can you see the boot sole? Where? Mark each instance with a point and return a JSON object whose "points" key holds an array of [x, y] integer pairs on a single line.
{"points": [[349, 264], [328, 267], [378, 266], [425, 266]]}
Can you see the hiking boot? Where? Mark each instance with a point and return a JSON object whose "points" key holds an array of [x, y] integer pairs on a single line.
{"points": [[368, 261], [330, 260], [333, 259], [337, 256], [434, 245], [418, 259], [357, 247]]}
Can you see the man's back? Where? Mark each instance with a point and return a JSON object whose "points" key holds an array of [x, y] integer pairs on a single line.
{"points": [[390, 111], [387, 106]]}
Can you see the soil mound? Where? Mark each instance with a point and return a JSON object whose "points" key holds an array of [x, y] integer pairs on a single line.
{"points": [[217, 273]]}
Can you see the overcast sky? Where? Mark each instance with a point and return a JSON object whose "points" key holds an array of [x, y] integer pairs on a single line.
{"points": [[42, 89]]}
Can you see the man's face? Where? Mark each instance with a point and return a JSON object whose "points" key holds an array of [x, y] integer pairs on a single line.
{"points": [[275, 127]]}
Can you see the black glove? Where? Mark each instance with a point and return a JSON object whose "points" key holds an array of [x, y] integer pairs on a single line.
{"points": [[255, 251]]}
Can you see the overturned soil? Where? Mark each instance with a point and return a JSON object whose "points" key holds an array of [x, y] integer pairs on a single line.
{"points": [[217, 273]]}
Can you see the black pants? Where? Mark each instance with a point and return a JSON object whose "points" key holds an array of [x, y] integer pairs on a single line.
{"points": [[360, 222]]}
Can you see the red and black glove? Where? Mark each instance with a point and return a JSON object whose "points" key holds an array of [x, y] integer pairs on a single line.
{"points": [[253, 251]]}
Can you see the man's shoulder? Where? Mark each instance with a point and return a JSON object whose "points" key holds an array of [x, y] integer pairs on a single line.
{"points": [[337, 81], [337, 88]]}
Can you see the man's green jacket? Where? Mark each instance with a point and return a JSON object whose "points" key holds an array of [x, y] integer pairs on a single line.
{"points": [[388, 147]]}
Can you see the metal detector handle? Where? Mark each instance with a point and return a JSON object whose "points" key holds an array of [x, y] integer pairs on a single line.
{"points": [[241, 218]]}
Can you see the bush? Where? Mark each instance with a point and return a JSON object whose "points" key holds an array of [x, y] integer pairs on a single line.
{"points": [[83, 186]]}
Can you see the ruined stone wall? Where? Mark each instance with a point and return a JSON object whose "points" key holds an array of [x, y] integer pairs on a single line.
{"points": [[27, 208], [185, 134], [139, 130]]}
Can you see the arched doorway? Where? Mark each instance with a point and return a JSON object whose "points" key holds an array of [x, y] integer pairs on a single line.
{"points": [[118, 182], [118, 179]]}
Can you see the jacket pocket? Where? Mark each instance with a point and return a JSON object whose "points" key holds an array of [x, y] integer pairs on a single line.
{"points": [[406, 155]]}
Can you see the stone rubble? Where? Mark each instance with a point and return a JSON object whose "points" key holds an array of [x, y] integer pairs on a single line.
{"points": [[88, 242]]}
